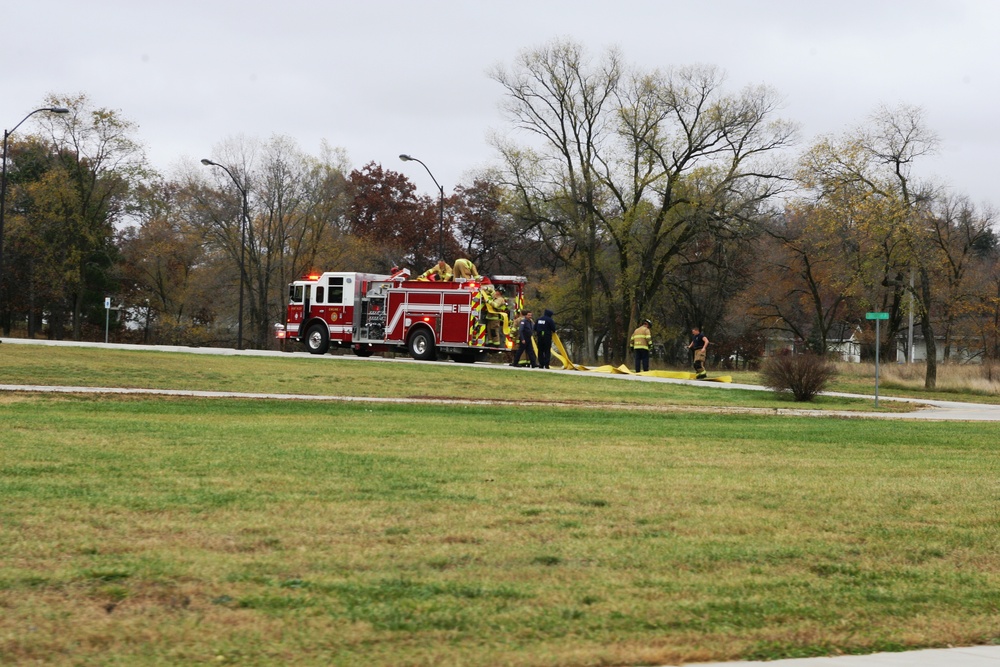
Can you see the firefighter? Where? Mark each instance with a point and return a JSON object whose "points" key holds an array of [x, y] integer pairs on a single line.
{"points": [[465, 270], [642, 340], [544, 328], [524, 340], [439, 272], [699, 343], [496, 314], [515, 325]]}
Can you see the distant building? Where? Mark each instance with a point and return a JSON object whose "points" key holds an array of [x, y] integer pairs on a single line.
{"points": [[963, 350], [784, 342], [849, 348]]}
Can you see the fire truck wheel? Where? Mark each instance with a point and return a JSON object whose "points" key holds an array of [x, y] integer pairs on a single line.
{"points": [[422, 345], [317, 339]]}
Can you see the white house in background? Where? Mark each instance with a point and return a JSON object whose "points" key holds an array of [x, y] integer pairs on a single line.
{"points": [[849, 348], [963, 350]]}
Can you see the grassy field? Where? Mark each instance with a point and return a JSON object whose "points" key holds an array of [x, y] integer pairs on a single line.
{"points": [[155, 531], [42, 365]]}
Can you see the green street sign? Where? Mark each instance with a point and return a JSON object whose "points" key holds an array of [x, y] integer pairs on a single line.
{"points": [[876, 316]]}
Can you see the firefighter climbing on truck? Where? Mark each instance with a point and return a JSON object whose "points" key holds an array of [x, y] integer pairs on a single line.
{"points": [[465, 270], [440, 272]]}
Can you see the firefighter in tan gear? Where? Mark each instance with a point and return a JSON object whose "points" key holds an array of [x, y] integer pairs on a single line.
{"points": [[465, 270], [440, 272], [496, 314], [642, 340]]}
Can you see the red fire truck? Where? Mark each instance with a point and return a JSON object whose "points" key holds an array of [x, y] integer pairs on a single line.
{"points": [[373, 313]]}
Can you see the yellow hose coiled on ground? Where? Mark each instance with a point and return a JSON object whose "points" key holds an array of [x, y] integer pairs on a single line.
{"points": [[568, 365]]}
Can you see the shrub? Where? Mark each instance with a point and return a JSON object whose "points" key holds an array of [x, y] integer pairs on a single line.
{"points": [[804, 375]]}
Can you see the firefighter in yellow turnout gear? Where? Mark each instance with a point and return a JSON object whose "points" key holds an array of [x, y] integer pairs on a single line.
{"points": [[465, 270], [642, 341], [495, 307], [440, 272]]}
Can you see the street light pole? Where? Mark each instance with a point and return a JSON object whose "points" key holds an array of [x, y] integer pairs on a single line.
{"points": [[406, 158], [909, 334], [243, 244], [3, 181]]}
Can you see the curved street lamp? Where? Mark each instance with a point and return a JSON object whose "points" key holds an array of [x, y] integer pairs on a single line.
{"points": [[243, 234], [3, 180], [406, 158]]}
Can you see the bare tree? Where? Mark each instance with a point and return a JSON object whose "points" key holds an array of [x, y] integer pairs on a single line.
{"points": [[296, 205], [636, 165], [871, 169]]}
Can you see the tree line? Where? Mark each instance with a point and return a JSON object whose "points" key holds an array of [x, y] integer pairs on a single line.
{"points": [[621, 193]]}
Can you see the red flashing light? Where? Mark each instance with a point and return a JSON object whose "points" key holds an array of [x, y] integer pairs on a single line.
{"points": [[427, 319], [313, 276]]}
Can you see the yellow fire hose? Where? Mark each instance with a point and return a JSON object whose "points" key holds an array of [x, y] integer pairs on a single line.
{"points": [[568, 365]]}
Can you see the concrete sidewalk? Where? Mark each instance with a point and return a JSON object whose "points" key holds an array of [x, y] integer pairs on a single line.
{"points": [[973, 656]]}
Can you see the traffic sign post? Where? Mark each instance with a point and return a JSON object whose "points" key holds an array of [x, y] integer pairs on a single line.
{"points": [[107, 316], [878, 317]]}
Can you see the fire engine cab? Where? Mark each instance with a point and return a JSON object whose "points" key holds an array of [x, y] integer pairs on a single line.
{"points": [[374, 313]]}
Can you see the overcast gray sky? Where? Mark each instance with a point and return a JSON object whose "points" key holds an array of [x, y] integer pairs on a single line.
{"points": [[381, 78]]}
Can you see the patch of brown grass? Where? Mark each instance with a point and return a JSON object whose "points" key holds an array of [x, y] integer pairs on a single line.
{"points": [[973, 379]]}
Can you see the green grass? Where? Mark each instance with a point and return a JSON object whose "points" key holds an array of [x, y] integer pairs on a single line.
{"points": [[142, 531], [42, 365], [405, 535]]}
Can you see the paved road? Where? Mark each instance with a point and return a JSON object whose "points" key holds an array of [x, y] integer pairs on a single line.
{"points": [[977, 656]]}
